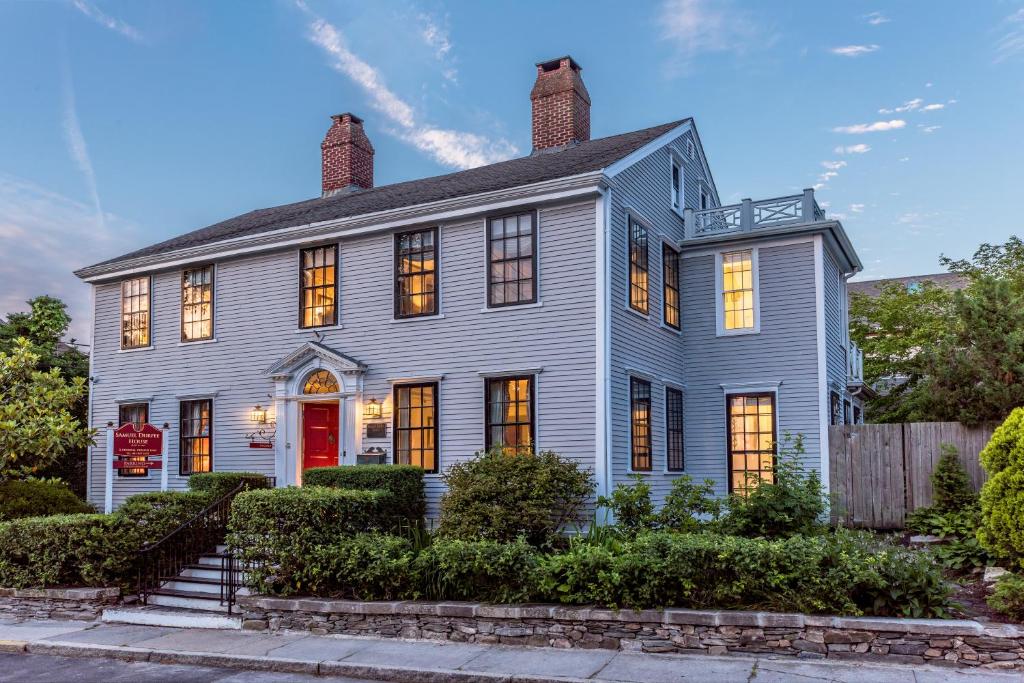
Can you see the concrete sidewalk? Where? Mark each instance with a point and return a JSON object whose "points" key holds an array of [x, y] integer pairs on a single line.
{"points": [[427, 662]]}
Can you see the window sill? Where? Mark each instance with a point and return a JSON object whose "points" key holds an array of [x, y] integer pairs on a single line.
{"points": [[644, 473], [511, 307], [324, 328], [139, 348], [644, 316], [415, 318], [198, 341], [669, 328], [737, 333]]}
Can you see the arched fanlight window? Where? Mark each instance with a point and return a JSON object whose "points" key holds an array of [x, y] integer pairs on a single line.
{"points": [[321, 382]]}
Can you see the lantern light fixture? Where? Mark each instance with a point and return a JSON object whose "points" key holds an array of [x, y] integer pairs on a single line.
{"points": [[258, 414], [372, 409]]}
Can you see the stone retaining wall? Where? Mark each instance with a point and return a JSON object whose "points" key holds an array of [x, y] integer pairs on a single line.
{"points": [[909, 641], [82, 604]]}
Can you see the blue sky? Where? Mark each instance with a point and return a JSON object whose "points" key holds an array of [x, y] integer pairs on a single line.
{"points": [[126, 122]]}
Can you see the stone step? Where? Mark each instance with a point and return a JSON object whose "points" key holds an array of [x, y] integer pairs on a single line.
{"points": [[197, 585], [211, 560], [199, 571], [168, 616], [193, 600]]}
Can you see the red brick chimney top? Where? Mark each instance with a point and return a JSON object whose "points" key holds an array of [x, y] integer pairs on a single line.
{"points": [[347, 156]]}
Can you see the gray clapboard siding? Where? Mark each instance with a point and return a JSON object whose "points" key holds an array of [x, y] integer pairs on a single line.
{"points": [[256, 326], [835, 350]]}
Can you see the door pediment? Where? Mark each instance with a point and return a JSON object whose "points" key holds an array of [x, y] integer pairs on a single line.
{"points": [[307, 354]]}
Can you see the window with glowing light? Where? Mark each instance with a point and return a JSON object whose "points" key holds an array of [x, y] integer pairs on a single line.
{"points": [[135, 414], [135, 320], [318, 286], [670, 286], [751, 440], [511, 260], [509, 413], [638, 277], [674, 430], [197, 304], [738, 290], [416, 273], [640, 418], [196, 437], [415, 430], [321, 382]]}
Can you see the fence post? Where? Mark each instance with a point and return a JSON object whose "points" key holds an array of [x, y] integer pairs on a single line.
{"points": [[747, 215], [164, 464], [108, 493]]}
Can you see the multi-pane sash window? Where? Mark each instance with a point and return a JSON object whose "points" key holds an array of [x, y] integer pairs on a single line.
{"points": [[197, 304], [135, 322], [834, 409], [638, 267], [416, 425], [196, 437], [318, 286], [509, 413], [751, 426], [738, 290], [670, 281], [677, 185], [674, 430], [138, 415], [640, 419], [416, 273], [511, 260]]}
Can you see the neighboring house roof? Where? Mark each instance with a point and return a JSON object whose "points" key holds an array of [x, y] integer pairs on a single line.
{"points": [[592, 155], [950, 281]]}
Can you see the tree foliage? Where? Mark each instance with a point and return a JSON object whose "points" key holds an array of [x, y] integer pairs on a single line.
{"points": [[37, 424]]}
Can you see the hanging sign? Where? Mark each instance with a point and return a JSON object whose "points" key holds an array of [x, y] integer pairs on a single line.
{"points": [[138, 464], [138, 443]]}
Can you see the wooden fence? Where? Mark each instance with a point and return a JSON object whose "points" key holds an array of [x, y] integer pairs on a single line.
{"points": [[880, 472]]}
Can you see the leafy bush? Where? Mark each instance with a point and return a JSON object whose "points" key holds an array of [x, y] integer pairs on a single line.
{"points": [[275, 531], [404, 482], [37, 498], [1008, 596], [688, 503], [363, 567], [795, 503], [960, 549], [219, 484], [500, 496], [631, 505], [453, 569], [951, 486], [1002, 495]]}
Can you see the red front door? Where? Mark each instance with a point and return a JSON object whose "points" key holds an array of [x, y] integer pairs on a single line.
{"points": [[319, 435]]}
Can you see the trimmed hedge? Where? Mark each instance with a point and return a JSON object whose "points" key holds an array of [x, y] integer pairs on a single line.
{"points": [[479, 570], [363, 567], [276, 531], [219, 484], [36, 498], [404, 482]]}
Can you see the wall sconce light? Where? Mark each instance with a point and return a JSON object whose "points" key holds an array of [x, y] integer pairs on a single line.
{"points": [[372, 409], [258, 414]]}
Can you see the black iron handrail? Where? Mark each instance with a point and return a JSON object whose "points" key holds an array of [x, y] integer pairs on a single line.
{"points": [[163, 560]]}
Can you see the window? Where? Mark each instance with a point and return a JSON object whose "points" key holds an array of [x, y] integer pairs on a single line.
{"points": [[691, 149], [857, 415], [138, 415], [318, 286], [705, 198], [847, 413], [640, 419], [511, 260], [416, 425], [677, 186], [738, 290], [416, 273], [751, 440], [509, 413], [637, 267], [674, 430], [321, 382], [196, 440], [135, 322], [835, 410], [670, 285], [197, 304]]}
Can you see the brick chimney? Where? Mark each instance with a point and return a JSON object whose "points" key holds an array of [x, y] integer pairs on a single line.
{"points": [[347, 156], [561, 105]]}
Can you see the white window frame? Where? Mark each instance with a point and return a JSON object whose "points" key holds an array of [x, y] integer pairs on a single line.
{"points": [[634, 216], [213, 301], [677, 203], [120, 314], [719, 292]]}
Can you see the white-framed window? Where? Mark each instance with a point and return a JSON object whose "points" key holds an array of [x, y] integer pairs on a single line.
{"points": [[197, 303], [691, 149], [738, 305], [641, 450], [639, 300], [705, 198], [136, 324], [677, 185]]}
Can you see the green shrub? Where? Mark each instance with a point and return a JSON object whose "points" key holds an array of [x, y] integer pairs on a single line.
{"points": [[64, 550], [687, 504], [363, 567], [501, 496], [150, 516], [1008, 596], [38, 498], [219, 484], [951, 486], [1002, 495], [275, 531], [404, 482], [631, 506], [491, 571], [960, 549], [795, 503]]}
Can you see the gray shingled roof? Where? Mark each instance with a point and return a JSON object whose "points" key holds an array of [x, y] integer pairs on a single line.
{"points": [[950, 281], [585, 157]]}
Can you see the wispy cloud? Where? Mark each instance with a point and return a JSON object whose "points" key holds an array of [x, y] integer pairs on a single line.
{"points": [[830, 172], [876, 127], [904, 159], [1011, 43], [114, 24], [853, 149], [35, 224], [933, 107], [452, 148], [77, 148], [857, 208], [876, 18], [436, 36], [909, 105], [855, 50], [695, 27], [928, 129]]}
